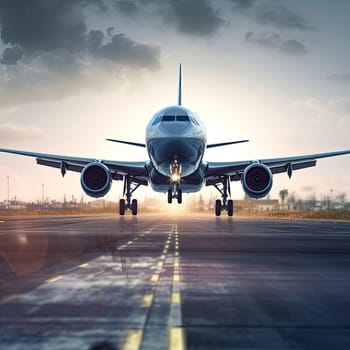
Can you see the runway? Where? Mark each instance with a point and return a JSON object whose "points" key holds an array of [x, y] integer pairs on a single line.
{"points": [[174, 282]]}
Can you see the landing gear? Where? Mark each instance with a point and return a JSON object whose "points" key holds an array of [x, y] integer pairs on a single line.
{"points": [[130, 186], [224, 188], [175, 192]]}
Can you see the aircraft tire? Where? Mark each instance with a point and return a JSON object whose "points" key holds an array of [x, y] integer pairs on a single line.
{"points": [[170, 196], [179, 196], [122, 207], [218, 207], [134, 207], [230, 207]]}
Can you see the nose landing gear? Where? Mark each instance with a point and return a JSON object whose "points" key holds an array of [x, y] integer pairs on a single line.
{"points": [[175, 193], [175, 178]]}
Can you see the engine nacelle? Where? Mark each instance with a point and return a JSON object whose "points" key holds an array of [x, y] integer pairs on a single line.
{"points": [[257, 180], [96, 179]]}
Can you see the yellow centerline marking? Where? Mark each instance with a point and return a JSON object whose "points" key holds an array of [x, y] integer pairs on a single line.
{"points": [[155, 278], [176, 277], [7, 298], [83, 265], [54, 279], [132, 340], [176, 338], [176, 298], [160, 264], [176, 264], [2, 221], [147, 300], [162, 257]]}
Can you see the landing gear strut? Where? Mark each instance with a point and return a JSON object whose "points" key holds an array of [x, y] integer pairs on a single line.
{"points": [[225, 190], [129, 188]]}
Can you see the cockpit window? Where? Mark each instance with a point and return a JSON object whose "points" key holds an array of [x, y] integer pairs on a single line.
{"points": [[194, 121], [156, 121], [182, 118], [168, 118]]}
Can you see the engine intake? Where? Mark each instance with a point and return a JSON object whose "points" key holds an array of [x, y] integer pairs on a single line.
{"points": [[257, 180], [96, 179]]}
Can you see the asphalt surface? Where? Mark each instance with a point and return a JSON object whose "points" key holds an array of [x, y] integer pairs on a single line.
{"points": [[174, 282]]}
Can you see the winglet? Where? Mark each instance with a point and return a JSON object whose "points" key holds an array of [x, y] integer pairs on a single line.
{"points": [[180, 86]]}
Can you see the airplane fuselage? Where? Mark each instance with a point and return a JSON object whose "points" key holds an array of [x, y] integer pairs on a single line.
{"points": [[176, 141]]}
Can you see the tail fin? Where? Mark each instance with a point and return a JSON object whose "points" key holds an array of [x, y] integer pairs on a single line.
{"points": [[179, 101]]}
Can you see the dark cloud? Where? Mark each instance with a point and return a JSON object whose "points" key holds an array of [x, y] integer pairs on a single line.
{"points": [[274, 42], [293, 47], [280, 16], [342, 78], [11, 55], [40, 25], [242, 4], [126, 7], [124, 50], [195, 17], [52, 54]]}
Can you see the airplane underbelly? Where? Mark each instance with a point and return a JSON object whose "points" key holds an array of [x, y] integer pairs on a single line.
{"points": [[189, 184], [187, 151]]}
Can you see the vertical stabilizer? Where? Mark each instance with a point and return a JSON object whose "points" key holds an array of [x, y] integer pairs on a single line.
{"points": [[179, 101]]}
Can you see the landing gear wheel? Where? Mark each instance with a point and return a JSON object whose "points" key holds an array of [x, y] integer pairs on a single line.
{"points": [[230, 207], [170, 196], [218, 207], [179, 196], [134, 207], [122, 207]]}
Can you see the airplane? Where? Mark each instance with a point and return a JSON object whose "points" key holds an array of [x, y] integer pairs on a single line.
{"points": [[176, 142]]}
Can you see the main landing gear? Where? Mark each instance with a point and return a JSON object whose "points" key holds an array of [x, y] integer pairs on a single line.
{"points": [[226, 204], [175, 192], [129, 188]]}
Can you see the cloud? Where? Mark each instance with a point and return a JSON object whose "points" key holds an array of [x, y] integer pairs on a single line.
{"points": [[195, 17], [40, 25], [327, 112], [274, 42], [127, 7], [342, 78], [280, 16], [11, 55], [124, 50], [52, 54], [242, 4], [12, 133]]}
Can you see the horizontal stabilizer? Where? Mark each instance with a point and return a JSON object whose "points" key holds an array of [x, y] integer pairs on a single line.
{"points": [[128, 143], [225, 143]]}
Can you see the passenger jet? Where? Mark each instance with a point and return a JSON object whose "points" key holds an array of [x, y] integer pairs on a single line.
{"points": [[176, 142]]}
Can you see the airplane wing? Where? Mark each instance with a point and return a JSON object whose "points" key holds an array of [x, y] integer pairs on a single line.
{"points": [[215, 170], [118, 168]]}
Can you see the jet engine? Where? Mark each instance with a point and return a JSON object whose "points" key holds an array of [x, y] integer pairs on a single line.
{"points": [[257, 180], [96, 179]]}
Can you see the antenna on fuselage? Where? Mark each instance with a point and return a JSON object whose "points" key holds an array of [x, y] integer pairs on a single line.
{"points": [[180, 86]]}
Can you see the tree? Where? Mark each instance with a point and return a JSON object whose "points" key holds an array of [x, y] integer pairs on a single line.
{"points": [[283, 195]]}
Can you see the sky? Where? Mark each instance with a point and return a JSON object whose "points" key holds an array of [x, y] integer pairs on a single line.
{"points": [[75, 72]]}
